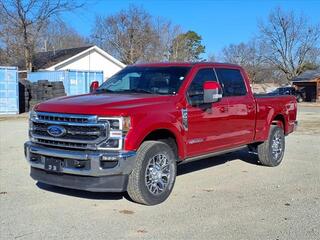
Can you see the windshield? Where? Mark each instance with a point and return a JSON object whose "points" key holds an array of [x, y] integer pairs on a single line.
{"points": [[151, 80]]}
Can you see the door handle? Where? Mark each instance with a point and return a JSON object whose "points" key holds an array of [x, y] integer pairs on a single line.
{"points": [[250, 107]]}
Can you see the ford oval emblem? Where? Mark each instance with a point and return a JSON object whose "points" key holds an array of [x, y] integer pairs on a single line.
{"points": [[56, 131]]}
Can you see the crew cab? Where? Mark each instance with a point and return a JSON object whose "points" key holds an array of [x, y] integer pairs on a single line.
{"points": [[130, 133]]}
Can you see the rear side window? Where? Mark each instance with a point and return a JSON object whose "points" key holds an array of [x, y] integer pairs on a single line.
{"points": [[232, 82]]}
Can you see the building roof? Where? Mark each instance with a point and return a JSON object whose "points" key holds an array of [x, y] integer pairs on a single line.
{"points": [[97, 49], [308, 76], [44, 60]]}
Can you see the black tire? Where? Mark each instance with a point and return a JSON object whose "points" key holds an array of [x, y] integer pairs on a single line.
{"points": [[137, 184], [270, 152]]}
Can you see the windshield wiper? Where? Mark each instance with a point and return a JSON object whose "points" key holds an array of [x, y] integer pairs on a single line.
{"points": [[104, 90], [137, 90]]}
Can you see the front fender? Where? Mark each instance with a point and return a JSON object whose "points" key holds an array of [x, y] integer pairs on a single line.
{"points": [[149, 124]]}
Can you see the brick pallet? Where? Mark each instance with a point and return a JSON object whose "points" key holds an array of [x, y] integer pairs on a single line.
{"points": [[40, 91]]}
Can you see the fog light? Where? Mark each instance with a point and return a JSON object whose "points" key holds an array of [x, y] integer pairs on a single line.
{"points": [[78, 164], [108, 158], [34, 158], [109, 164]]}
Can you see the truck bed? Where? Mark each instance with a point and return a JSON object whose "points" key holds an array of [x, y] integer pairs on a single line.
{"points": [[285, 108]]}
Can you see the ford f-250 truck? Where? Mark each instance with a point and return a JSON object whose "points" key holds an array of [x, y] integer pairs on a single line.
{"points": [[130, 133]]}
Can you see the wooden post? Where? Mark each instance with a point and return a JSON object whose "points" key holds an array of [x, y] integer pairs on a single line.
{"points": [[318, 90]]}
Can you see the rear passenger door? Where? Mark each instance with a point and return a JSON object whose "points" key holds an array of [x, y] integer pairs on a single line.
{"points": [[241, 106]]}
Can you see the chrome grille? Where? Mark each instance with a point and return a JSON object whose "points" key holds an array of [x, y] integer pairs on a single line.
{"points": [[61, 144], [72, 132], [80, 131], [67, 118]]}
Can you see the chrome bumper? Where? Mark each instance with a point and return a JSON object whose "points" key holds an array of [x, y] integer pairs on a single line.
{"points": [[124, 160]]}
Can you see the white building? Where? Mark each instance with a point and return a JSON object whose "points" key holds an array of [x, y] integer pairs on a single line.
{"points": [[90, 58]]}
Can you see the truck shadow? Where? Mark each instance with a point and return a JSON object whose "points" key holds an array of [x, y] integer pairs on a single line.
{"points": [[193, 166], [183, 168], [82, 194]]}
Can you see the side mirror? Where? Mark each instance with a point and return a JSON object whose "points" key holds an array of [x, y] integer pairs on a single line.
{"points": [[211, 92], [94, 85]]}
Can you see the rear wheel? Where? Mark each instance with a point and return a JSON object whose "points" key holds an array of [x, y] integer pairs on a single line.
{"points": [[271, 152], [153, 176]]}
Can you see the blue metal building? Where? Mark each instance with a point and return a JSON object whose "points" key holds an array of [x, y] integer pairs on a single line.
{"points": [[9, 90], [75, 82]]}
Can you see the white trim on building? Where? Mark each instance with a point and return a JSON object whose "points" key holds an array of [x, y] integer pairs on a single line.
{"points": [[91, 59]]}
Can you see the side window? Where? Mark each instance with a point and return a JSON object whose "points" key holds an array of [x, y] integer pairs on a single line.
{"points": [[195, 91], [232, 82]]}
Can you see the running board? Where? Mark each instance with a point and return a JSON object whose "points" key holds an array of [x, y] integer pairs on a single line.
{"points": [[191, 159]]}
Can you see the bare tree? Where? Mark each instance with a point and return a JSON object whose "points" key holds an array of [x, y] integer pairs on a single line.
{"points": [[247, 55], [3, 57], [127, 34], [166, 32], [57, 35], [288, 41], [133, 35], [23, 20], [212, 57]]}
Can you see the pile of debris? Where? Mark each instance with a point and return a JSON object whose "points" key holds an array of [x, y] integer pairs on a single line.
{"points": [[24, 96], [34, 93]]}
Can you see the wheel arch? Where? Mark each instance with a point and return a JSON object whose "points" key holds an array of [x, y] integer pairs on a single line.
{"points": [[165, 134], [279, 120]]}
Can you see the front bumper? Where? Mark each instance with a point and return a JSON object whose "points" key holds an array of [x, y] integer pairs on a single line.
{"points": [[99, 171]]}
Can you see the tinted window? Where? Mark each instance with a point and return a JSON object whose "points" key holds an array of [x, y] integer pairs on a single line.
{"points": [[232, 82], [195, 91]]}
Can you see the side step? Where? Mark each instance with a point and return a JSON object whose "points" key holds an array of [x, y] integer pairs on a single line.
{"points": [[191, 159]]}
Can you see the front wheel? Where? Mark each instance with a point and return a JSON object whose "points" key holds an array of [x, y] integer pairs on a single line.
{"points": [[154, 173], [271, 152]]}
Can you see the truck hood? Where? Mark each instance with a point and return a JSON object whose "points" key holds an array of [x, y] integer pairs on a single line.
{"points": [[102, 104]]}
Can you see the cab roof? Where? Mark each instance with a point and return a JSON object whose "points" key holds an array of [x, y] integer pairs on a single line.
{"points": [[186, 64]]}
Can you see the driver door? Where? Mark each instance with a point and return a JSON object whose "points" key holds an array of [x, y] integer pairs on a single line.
{"points": [[206, 122]]}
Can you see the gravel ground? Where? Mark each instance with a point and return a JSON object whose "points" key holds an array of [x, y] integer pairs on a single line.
{"points": [[225, 197]]}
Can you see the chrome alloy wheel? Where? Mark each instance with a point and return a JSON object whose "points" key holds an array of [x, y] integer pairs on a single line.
{"points": [[276, 146], [157, 175]]}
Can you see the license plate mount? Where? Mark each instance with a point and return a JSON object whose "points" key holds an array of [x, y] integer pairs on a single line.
{"points": [[53, 164]]}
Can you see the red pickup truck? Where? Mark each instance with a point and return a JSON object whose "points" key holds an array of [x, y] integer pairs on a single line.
{"points": [[130, 133]]}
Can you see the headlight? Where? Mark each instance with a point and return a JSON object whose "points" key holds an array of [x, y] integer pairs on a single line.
{"points": [[119, 126], [32, 115], [117, 123]]}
